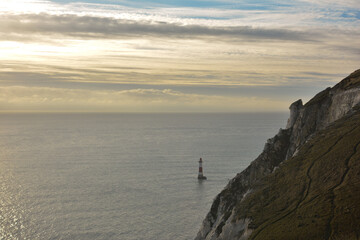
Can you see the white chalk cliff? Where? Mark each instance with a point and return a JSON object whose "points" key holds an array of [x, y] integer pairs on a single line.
{"points": [[304, 122]]}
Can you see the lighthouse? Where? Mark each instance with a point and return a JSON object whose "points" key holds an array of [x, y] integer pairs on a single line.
{"points": [[201, 175]]}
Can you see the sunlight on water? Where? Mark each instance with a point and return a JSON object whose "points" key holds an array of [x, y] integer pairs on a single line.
{"points": [[11, 217]]}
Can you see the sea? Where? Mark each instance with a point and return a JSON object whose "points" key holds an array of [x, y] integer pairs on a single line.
{"points": [[123, 176]]}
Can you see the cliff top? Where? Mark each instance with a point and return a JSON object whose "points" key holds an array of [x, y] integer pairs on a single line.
{"points": [[351, 81], [314, 195], [304, 185]]}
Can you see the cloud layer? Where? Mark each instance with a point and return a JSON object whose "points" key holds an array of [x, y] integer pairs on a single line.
{"points": [[107, 28], [18, 98], [127, 56]]}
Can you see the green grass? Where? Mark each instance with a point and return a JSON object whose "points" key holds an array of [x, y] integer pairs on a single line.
{"points": [[315, 195]]}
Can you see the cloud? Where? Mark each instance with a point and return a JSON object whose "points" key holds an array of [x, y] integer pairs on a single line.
{"points": [[100, 27], [300, 21], [165, 58], [18, 98], [334, 3]]}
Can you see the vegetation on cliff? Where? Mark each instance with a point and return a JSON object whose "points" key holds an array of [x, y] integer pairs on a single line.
{"points": [[306, 182], [314, 195]]}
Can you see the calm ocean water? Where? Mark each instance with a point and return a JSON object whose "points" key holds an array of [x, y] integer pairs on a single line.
{"points": [[120, 176]]}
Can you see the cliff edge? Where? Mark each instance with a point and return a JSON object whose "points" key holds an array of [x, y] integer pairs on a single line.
{"points": [[307, 167]]}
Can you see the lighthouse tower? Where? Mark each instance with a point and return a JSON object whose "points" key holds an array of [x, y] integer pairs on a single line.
{"points": [[201, 175]]}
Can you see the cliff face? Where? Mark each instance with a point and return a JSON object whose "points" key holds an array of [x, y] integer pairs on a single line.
{"points": [[325, 108], [226, 219], [314, 195]]}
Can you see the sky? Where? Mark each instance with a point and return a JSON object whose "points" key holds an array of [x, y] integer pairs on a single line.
{"points": [[173, 56]]}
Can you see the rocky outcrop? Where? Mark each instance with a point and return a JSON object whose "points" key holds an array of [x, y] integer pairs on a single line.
{"points": [[304, 122], [322, 110], [294, 113]]}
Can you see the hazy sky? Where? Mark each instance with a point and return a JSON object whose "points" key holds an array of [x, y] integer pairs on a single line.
{"points": [[169, 56]]}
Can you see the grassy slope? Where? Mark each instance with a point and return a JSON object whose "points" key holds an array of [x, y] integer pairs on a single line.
{"points": [[314, 195]]}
